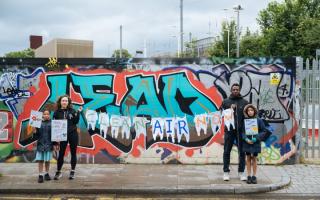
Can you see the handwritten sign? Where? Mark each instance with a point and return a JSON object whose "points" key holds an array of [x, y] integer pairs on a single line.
{"points": [[59, 130], [251, 126], [35, 119]]}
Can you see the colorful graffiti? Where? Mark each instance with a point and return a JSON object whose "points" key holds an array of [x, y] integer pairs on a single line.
{"points": [[148, 111]]}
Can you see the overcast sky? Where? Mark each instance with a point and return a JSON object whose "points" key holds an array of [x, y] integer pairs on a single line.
{"points": [[156, 21]]}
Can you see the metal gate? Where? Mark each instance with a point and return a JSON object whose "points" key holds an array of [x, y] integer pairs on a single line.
{"points": [[308, 72]]}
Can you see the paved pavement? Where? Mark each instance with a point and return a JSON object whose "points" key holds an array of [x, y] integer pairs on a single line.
{"points": [[305, 179], [21, 178]]}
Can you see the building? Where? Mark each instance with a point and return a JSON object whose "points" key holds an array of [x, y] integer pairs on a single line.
{"points": [[201, 46], [35, 41], [66, 48]]}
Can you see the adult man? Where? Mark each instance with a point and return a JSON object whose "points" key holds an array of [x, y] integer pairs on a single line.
{"points": [[237, 103]]}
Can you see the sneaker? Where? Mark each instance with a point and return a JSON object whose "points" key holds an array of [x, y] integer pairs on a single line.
{"points": [[71, 176], [47, 177], [249, 179], [40, 179], [242, 176], [57, 176], [226, 176], [254, 180]]}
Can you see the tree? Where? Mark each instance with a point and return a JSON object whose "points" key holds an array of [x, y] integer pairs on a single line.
{"points": [[27, 53], [220, 47], [191, 50], [251, 45], [125, 53], [290, 28]]}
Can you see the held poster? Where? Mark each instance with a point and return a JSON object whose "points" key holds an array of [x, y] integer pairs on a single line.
{"points": [[251, 126], [59, 130], [35, 119]]}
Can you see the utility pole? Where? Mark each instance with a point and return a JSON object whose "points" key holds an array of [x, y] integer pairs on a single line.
{"points": [[237, 10], [181, 27], [120, 41]]}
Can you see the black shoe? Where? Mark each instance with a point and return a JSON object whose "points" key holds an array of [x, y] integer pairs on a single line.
{"points": [[47, 177], [249, 180], [71, 176], [254, 180], [57, 176], [40, 179]]}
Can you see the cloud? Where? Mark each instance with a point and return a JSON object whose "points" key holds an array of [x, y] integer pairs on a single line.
{"points": [[99, 20]]}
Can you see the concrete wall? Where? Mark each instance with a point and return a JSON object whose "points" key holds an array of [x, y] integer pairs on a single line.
{"points": [[66, 48], [156, 90], [47, 50]]}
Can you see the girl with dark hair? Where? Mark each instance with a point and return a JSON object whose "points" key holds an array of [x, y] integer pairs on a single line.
{"points": [[44, 146], [252, 143], [66, 112]]}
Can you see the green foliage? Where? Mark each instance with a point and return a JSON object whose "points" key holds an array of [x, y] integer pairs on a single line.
{"points": [[220, 47], [251, 45], [191, 50], [125, 53], [27, 53], [291, 28]]}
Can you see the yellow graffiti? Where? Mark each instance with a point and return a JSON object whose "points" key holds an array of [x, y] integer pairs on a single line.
{"points": [[269, 155], [52, 63]]}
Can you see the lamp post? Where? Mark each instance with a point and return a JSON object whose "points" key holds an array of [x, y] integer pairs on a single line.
{"points": [[181, 27], [237, 10], [120, 41]]}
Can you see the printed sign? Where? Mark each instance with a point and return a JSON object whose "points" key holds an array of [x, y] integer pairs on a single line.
{"points": [[35, 119], [251, 126], [275, 78], [59, 130]]}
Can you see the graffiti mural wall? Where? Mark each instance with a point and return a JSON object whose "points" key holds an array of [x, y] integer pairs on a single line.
{"points": [[147, 110]]}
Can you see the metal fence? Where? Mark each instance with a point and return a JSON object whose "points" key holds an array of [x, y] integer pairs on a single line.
{"points": [[308, 72]]}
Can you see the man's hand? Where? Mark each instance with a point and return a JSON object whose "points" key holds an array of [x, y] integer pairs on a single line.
{"points": [[233, 106]]}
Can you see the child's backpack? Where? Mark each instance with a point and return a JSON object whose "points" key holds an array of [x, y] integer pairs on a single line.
{"points": [[268, 131]]}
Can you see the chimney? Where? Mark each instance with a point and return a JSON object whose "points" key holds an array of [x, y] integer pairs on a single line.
{"points": [[35, 41]]}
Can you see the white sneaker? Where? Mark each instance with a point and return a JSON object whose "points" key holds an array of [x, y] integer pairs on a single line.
{"points": [[226, 176], [242, 176]]}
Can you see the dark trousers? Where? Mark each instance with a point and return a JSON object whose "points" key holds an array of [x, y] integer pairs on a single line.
{"points": [[229, 138], [73, 142]]}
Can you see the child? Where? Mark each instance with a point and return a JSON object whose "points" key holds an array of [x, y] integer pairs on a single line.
{"points": [[44, 146], [251, 143]]}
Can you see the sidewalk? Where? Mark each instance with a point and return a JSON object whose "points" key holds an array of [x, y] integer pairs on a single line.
{"points": [[21, 178]]}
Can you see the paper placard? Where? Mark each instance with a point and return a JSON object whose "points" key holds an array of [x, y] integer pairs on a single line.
{"points": [[35, 119], [59, 130], [228, 119], [251, 126]]}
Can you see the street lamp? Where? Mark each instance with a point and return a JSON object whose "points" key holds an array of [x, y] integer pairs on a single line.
{"points": [[237, 9]]}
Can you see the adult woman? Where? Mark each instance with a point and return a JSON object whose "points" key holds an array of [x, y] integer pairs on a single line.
{"points": [[66, 112]]}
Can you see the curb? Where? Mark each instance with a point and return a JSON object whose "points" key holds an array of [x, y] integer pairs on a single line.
{"points": [[216, 189]]}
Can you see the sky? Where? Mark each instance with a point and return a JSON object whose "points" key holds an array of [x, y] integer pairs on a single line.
{"points": [[153, 23]]}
